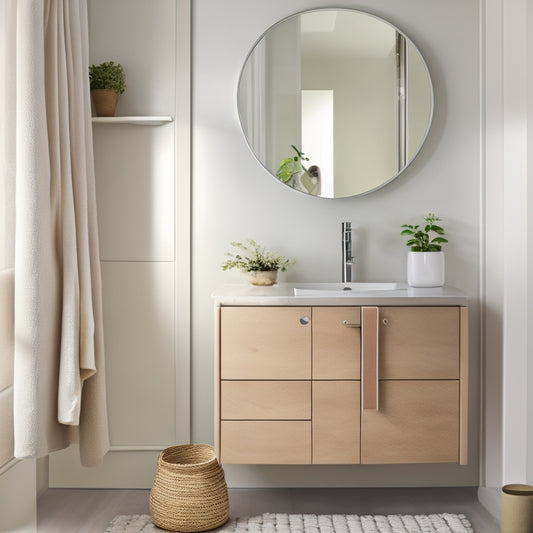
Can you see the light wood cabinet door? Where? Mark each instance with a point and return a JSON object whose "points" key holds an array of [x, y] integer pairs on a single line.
{"points": [[419, 342], [417, 422], [336, 422], [336, 342], [265, 442], [265, 400], [265, 343]]}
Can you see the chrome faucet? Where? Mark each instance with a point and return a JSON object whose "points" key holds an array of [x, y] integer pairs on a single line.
{"points": [[347, 258]]}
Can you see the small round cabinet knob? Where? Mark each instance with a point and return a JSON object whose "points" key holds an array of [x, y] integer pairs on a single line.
{"points": [[385, 321], [304, 320]]}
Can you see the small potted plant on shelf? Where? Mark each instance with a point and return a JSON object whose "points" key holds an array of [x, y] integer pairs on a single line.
{"points": [[261, 267], [425, 261], [107, 82]]}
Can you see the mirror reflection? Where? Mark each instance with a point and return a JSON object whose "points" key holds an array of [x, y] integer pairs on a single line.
{"points": [[335, 103]]}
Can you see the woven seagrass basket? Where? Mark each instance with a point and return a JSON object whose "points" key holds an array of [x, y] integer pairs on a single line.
{"points": [[189, 492]]}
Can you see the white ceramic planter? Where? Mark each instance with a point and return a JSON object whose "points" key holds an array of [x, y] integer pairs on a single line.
{"points": [[425, 269], [261, 277]]}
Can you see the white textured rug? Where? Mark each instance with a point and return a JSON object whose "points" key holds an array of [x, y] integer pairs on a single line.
{"points": [[310, 523]]}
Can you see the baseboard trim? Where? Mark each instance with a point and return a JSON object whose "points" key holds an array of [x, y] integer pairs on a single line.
{"points": [[131, 469], [490, 498]]}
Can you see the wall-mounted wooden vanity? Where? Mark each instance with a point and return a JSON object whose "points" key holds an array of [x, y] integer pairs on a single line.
{"points": [[376, 378]]}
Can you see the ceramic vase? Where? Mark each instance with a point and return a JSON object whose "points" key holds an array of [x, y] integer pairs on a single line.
{"points": [[262, 277], [425, 269]]}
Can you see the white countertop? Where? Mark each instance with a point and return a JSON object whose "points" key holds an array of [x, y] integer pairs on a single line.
{"points": [[283, 294]]}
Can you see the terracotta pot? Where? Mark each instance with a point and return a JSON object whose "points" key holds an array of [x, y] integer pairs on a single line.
{"points": [[105, 102]]}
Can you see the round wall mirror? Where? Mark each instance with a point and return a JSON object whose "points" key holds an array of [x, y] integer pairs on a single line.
{"points": [[335, 102]]}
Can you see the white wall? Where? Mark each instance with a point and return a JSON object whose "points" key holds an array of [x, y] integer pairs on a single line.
{"points": [[508, 261], [529, 295], [234, 198]]}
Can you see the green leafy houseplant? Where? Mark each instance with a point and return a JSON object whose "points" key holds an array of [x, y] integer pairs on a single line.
{"points": [[292, 165], [107, 81], [254, 258], [107, 75], [423, 239]]}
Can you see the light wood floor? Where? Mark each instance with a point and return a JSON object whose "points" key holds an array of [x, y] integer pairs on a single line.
{"points": [[90, 510]]}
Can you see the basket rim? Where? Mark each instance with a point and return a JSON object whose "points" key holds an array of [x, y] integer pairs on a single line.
{"points": [[210, 455]]}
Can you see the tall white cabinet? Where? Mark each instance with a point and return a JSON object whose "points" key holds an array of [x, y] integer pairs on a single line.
{"points": [[142, 213]]}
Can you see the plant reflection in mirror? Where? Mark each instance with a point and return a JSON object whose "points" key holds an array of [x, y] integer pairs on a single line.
{"points": [[291, 166]]}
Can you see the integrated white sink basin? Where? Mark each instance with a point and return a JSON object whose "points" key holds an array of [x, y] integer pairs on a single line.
{"points": [[344, 289]]}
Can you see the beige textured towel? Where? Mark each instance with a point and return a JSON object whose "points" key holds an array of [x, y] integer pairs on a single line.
{"points": [[59, 370]]}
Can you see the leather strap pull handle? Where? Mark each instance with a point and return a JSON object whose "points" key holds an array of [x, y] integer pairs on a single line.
{"points": [[369, 352]]}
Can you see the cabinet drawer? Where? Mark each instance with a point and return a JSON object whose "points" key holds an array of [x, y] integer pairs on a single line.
{"points": [[419, 342], [336, 346], [265, 343], [336, 427], [417, 422], [266, 400], [265, 442]]}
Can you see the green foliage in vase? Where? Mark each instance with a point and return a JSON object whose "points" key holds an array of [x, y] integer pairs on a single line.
{"points": [[292, 165], [254, 257], [107, 76], [422, 239]]}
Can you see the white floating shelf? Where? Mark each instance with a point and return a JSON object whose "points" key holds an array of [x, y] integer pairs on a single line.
{"points": [[139, 121]]}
